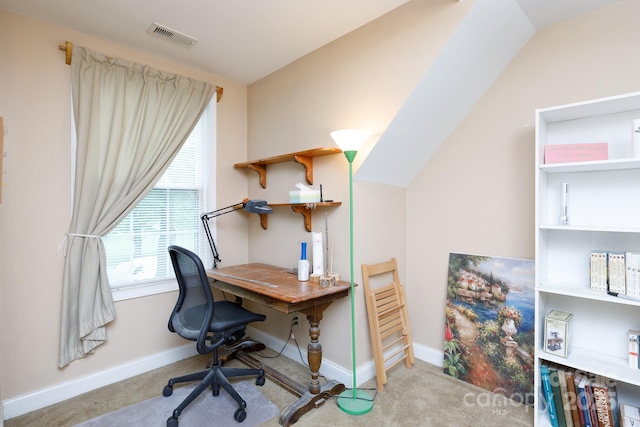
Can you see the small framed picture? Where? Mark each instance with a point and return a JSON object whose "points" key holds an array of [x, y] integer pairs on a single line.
{"points": [[557, 327]]}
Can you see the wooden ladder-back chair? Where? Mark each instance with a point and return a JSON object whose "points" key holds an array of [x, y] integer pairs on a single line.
{"points": [[388, 319]]}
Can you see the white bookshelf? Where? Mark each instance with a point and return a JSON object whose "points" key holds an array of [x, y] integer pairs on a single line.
{"points": [[604, 214]]}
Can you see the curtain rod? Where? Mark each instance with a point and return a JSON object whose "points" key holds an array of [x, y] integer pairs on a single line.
{"points": [[68, 48]]}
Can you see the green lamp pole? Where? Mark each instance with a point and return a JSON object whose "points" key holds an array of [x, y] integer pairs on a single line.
{"points": [[354, 401]]}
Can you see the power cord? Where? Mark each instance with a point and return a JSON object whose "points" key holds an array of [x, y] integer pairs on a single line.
{"points": [[294, 322], [292, 337]]}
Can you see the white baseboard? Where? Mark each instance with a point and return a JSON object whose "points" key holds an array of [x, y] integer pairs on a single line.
{"points": [[39, 399], [429, 354]]}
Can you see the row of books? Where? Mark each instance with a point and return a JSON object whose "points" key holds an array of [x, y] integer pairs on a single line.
{"points": [[579, 399], [617, 272]]}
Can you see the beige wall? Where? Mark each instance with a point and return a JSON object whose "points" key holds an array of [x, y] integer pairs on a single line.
{"points": [[35, 210], [359, 81], [475, 195]]}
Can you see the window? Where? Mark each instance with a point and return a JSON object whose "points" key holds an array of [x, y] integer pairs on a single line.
{"points": [[138, 263]]}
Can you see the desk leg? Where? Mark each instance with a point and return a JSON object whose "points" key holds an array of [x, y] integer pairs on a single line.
{"points": [[317, 394], [314, 349]]}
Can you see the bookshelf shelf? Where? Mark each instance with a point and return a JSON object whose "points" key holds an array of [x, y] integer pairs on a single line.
{"points": [[569, 228], [573, 291], [604, 214], [595, 166], [615, 368]]}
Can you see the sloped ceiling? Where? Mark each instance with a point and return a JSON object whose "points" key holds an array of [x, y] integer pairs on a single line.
{"points": [[484, 44]]}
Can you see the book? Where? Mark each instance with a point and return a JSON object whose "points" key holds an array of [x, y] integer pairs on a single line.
{"points": [[615, 405], [606, 402], [591, 406], [564, 394], [632, 264], [548, 393], [581, 381], [573, 397], [566, 153], [598, 265], [617, 272], [634, 336], [554, 380], [629, 415]]}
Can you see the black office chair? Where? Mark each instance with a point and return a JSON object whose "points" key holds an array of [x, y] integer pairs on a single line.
{"points": [[198, 317]]}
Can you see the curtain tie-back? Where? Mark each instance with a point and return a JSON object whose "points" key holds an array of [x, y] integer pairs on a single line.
{"points": [[63, 246]]}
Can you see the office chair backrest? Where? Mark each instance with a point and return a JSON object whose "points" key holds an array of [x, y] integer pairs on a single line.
{"points": [[194, 309]]}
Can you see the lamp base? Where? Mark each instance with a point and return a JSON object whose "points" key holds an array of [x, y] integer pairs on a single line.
{"points": [[358, 404]]}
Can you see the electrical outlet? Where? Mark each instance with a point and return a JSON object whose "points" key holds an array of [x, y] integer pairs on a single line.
{"points": [[295, 321]]}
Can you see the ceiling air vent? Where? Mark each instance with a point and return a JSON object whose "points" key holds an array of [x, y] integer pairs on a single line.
{"points": [[168, 34]]}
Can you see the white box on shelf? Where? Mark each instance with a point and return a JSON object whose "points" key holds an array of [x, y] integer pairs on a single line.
{"points": [[304, 196], [557, 332]]}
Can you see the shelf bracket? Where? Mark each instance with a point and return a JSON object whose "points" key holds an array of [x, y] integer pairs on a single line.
{"points": [[306, 213], [262, 171], [307, 162], [263, 221]]}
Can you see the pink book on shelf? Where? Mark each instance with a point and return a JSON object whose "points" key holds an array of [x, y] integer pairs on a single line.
{"points": [[567, 153]]}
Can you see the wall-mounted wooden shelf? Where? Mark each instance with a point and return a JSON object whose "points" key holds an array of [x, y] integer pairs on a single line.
{"points": [[305, 158], [300, 208]]}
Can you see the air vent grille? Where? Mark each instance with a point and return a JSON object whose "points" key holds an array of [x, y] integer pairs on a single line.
{"points": [[168, 34]]}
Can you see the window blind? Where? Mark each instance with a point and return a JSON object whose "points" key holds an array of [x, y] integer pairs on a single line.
{"points": [[136, 249]]}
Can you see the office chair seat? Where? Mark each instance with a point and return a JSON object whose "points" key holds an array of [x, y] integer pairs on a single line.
{"points": [[198, 317]]}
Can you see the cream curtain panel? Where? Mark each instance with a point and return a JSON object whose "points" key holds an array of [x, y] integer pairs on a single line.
{"points": [[131, 121]]}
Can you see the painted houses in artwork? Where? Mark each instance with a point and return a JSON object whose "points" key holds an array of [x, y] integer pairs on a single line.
{"points": [[473, 287]]}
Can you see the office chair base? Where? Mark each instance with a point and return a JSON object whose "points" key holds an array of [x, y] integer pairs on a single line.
{"points": [[213, 377]]}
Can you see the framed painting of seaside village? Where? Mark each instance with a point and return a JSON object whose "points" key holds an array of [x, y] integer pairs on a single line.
{"points": [[489, 325]]}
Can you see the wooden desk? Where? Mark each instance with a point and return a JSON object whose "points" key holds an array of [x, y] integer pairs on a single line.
{"points": [[274, 287]]}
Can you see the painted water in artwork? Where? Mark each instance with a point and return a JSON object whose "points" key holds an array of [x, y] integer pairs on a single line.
{"points": [[489, 328]]}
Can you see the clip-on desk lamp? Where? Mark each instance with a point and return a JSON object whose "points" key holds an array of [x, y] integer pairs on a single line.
{"points": [[252, 206]]}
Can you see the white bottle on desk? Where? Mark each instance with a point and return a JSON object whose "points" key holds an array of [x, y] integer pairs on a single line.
{"points": [[303, 264]]}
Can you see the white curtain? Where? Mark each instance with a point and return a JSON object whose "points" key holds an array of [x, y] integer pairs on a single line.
{"points": [[131, 121]]}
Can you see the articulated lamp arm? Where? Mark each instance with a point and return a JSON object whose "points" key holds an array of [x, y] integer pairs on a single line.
{"points": [[252, 206]]}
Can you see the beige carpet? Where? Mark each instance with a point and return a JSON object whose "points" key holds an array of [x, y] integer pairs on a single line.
{"points": [[422, 396]]}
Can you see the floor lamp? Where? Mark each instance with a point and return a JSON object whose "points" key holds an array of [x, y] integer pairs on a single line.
{"points": [[354, 401]]}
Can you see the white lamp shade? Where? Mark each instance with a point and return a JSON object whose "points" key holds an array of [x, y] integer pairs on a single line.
{"points": [[349, 139]]}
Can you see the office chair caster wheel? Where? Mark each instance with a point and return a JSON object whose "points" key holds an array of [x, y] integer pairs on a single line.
{"points": [[172, 422], [215, 389], [240, 415], [167, 391], [260, 381]]}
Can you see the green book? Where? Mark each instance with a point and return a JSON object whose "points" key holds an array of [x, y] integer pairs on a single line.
{"points": [[548, 393], [554, 380]]}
